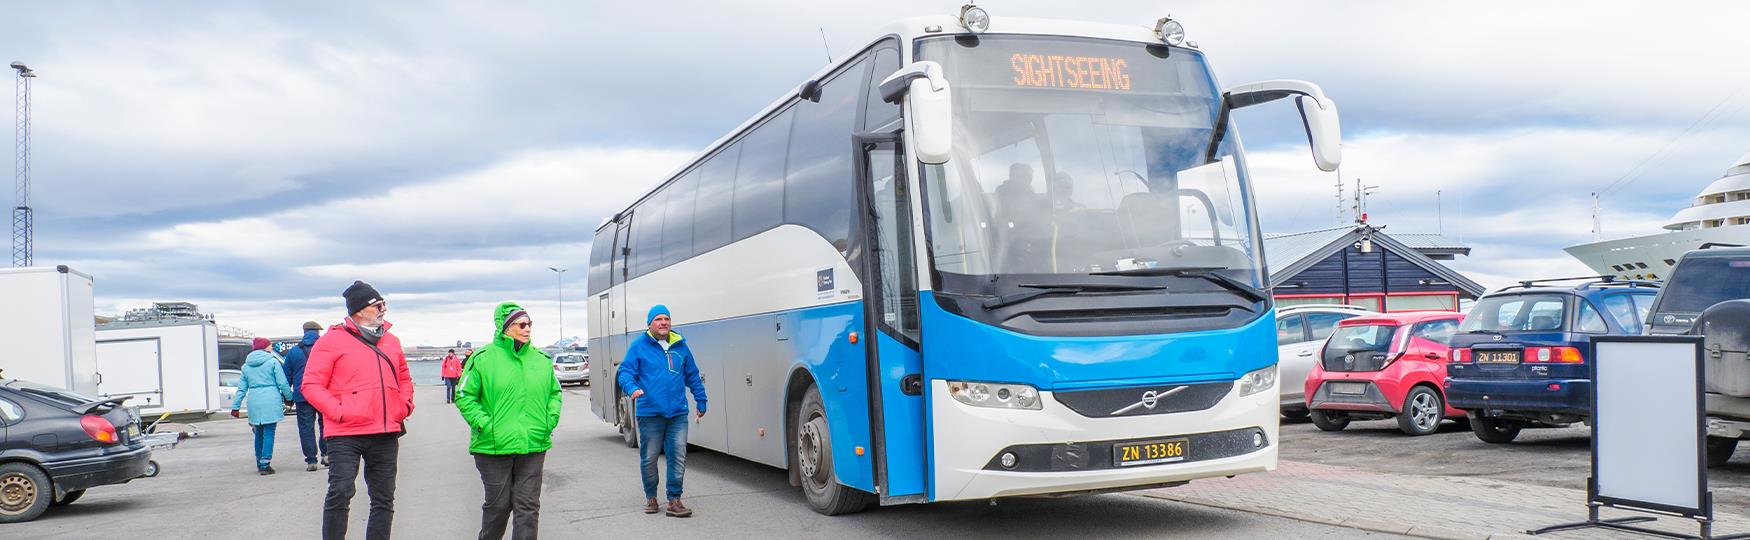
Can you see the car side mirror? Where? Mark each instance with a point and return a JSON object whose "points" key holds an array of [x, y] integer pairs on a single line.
{"points": [[929, 118], [1317, 112]]}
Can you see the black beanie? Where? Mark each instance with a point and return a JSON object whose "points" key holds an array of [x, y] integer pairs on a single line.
{"points": [[359, 295]]}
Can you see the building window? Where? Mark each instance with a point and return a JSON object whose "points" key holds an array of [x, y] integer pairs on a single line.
{"points": [[1367, 302], [1422, 302], [1301, 301]]}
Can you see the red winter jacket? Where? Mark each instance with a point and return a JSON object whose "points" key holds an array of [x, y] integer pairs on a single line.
{"points": [[452, 367], [357, 392]]}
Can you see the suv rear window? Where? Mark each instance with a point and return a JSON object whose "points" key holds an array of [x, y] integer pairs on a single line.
{"points": [[1701, 282], [1519, 312]]}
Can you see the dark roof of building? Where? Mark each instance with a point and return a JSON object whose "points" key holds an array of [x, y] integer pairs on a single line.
{"points": [[1289, 254]]}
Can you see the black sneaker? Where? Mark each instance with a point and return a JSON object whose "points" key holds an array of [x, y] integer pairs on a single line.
{"points": [[264, 471]]}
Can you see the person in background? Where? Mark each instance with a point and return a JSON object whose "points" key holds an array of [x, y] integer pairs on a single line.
{"points": [[309, 436], [510, 398], [657, 372], [452, 370], [263, 386], [358, 379]]}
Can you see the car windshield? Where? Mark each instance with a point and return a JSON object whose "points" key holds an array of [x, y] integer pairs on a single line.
{"points": [[1077, 156], [1701, 282], [569, 359], [229, 378], [1520, 312]]}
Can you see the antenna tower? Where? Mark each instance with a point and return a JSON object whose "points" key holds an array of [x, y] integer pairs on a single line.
{"points": [[22, 231]]}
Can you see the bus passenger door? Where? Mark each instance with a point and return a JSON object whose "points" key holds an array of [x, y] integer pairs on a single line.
{"points": [[896, 406], [616, 330]]}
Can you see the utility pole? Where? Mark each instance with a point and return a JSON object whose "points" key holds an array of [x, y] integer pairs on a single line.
{"points": [[1361, 193], [22, 230], [1597, 226], [561, 273], [1340, 195]]}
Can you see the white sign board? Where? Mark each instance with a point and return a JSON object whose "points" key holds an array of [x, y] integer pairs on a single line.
{"points": [[1647, 423]]}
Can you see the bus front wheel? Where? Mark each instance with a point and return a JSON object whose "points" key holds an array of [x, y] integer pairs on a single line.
{"points": [[815, 465]]}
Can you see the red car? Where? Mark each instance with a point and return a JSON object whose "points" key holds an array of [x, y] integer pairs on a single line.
{"points": [[1384, 366]]}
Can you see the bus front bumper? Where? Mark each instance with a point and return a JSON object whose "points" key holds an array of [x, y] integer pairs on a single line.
{"points": [[1057, 451]]}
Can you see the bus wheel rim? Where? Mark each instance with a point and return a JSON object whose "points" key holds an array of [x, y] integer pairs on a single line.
{"points": [[810, 450]]}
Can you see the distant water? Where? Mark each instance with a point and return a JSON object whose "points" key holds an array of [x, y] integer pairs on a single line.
{"points": [[426, 372]]}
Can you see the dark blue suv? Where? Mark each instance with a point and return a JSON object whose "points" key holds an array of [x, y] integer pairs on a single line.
{"points": [[1519, 359]]}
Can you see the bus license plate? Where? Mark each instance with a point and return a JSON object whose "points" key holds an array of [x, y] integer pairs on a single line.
{"points": [[1151, 452], [1497, 357]]}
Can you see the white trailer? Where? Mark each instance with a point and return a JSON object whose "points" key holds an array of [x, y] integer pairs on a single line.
{"points": [[165, 366], [48, 327]]}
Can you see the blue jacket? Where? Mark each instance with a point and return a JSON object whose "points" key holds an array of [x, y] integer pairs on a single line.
{"points": [[295, 360], [263, 387], [661, 375]]}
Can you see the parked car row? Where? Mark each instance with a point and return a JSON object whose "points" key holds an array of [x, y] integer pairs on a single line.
{"points": [[1519, 358]]}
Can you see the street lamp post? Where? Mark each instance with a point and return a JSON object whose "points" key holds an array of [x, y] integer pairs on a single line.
{"points": [[561, 273]]}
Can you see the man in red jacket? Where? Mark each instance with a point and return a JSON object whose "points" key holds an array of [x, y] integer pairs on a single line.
{"points": [[357, 378]]}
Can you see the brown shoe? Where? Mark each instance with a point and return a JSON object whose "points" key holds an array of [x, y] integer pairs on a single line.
{"points": [[676, 509], [650, 506]]}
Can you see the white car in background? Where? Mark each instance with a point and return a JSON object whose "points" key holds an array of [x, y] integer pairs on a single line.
{"points": [[571, 368], [228, 379], [1300, 334]]}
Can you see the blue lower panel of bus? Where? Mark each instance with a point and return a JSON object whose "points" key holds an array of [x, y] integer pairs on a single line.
{"points": [[903, 420]]}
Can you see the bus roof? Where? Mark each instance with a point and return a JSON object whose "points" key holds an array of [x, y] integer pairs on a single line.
{"points": [[907, 30]]}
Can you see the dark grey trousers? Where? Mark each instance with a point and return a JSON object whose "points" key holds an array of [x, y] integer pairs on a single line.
{"points": [[380, 453], [513, 483]]}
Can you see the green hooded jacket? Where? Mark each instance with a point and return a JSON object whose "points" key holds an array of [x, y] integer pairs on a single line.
{"points": [[510, 399]]}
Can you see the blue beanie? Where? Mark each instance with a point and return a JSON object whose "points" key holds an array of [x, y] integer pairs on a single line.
{"points": [[659, 309]]}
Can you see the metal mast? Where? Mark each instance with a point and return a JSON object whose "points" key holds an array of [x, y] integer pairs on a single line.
{"points": [[21, 219]]}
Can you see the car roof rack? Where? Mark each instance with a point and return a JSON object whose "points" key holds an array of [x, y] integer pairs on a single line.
{"points": [[1711, 245], [1593, 282]]}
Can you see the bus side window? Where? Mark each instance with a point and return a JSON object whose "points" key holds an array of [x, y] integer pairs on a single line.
{"points": [[677, 225], [759, 178], [600, 250], [817, 190], [711, 210], [647, 235], [877, 113]]}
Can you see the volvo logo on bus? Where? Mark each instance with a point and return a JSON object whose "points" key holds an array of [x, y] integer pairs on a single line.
{"points": [[1149, 400]]}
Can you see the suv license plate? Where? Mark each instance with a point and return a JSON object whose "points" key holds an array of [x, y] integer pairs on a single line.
{"points": [[1151, 452], [1497, 357]]}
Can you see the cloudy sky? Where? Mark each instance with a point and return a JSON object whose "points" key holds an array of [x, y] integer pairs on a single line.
{"points": [[255, 158]]}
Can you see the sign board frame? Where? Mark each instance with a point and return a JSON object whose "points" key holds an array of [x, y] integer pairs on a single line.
{"points": [[1696, 382]]}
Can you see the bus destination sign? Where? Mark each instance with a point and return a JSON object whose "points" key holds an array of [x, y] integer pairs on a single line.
{"points": [[1074, 72]]}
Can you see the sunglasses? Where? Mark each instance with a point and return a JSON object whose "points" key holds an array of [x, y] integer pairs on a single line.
{"points": [[381, 305], [523, 324]]}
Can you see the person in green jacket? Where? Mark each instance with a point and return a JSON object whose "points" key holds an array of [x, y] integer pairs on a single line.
{"points": [[510, 399]]}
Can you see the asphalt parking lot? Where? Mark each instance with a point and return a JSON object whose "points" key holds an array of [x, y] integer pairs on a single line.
{"points": [[1550, 457]]}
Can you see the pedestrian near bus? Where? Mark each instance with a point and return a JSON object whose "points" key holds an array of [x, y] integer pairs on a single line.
{"points": [[451, 371], [510, 399], [657, 372], [264, 388], [358, 379], [309, 437]]}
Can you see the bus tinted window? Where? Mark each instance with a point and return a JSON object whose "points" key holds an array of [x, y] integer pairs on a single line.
{"points": [[677, 227], [759, 178], [711, 209], [599, 257], [817, 190], [877, 113], [647, 235]]}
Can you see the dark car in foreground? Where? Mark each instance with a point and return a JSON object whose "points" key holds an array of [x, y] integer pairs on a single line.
{"points": [[1708, 295], [55, 444], [1519, 359]]}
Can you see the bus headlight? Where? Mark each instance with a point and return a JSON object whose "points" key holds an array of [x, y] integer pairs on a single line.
{"points": [[974, 18], [993, 395], [1258, 381], [1170, 31]]}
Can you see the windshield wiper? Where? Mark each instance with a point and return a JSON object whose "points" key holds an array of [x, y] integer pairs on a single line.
{"points": [[1070, 288], [1211, 273]]}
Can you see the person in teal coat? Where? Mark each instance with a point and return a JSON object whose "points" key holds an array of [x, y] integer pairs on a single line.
{"points": [[263, 386]]}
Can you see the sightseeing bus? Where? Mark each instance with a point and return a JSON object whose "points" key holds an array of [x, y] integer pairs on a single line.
{"points": [[982, 257]]}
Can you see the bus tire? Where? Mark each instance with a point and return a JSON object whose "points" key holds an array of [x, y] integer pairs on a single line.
{"points": [[628, 423], [814, 461]]}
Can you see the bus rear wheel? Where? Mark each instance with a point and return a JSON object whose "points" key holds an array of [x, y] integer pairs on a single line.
{"points": [[628, 423], [814, 462]]}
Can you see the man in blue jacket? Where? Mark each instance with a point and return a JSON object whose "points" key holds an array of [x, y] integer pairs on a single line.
{"points": [[309, 421], [657, 371]]}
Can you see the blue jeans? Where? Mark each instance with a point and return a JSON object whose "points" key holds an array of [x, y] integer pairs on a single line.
{"points": [[309, 438], [668, 436], [264, 445]]}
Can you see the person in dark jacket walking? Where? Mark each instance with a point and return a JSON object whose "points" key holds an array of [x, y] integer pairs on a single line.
{"points": [[263, 387], [357, 377], [510, 399], [657, 372], [309, 437]]}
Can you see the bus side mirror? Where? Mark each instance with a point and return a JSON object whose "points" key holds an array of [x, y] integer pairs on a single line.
{"points": [[1319, 113], [929, 120]]}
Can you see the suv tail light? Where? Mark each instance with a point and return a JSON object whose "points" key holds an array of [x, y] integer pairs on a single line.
{"points": [[1553, 355], [99, 429], [1461, 356]]}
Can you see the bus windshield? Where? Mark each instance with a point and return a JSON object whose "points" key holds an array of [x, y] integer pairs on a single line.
{"points": [[1081, 156]]}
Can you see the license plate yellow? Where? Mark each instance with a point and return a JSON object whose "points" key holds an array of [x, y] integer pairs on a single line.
{"points": [[133, 431], [1151, 452], [1497, 357]]}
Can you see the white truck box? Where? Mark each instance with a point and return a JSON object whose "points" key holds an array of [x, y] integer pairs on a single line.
{"points": [[48, 327], [166, 366]]}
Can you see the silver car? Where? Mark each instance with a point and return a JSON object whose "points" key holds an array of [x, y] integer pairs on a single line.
{"points": [[1300, 333], [571, 368]]}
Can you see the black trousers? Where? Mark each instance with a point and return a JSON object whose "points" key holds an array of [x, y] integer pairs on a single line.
{"points": [[513, 482], [379, 453]]}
